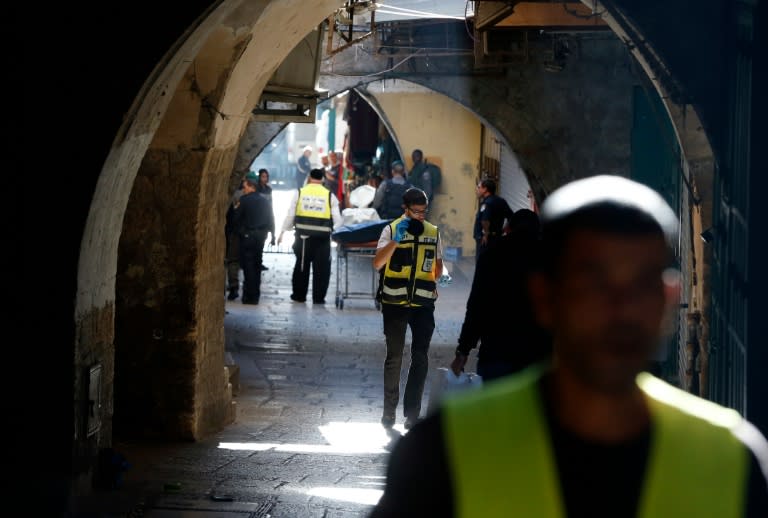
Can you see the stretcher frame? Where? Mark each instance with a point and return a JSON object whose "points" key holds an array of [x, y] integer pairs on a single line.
{"points": [[343, 252]]}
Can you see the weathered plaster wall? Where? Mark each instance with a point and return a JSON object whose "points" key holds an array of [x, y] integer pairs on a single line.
{"points": [[449, 135]]}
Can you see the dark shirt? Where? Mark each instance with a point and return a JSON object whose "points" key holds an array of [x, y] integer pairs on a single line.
{"points": [[507, 332], [266, 192], [420, 176], [493, 209], [596, 479], [304, 165], [253, 214]]}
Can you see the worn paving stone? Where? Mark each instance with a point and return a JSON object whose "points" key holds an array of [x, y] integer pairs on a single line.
{"points": [[311, 383]]}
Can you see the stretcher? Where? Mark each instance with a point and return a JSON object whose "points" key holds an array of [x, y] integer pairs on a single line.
{"points": [[360, 255], [356, 244]]}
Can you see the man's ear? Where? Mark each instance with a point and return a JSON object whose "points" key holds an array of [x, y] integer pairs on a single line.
{"points": [[540, 294]]}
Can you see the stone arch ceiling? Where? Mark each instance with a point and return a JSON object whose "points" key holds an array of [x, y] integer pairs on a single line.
{"points": [[545, 168]]}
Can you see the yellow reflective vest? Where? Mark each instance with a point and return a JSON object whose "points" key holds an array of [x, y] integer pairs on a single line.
{"points": [[409, 277], [697, 466], [313, 211]]}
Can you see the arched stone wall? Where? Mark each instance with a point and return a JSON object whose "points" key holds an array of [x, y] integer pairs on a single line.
{"points": [[160, 201]]}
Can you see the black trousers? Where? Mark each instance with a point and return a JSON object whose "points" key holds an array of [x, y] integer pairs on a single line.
{"points": [[397, 319], [232, 262], [313, 254], [251, 253]]}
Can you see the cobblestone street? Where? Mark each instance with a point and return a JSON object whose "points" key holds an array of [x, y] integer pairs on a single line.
{"points": [[307, 440]]}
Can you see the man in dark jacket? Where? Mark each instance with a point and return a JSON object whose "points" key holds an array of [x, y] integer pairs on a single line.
{"points": [[253, 216], [265, 190], [232, 257], [509, 337], [492, 211], [388, 200]]}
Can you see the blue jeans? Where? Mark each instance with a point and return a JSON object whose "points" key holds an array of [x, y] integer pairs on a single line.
{"points": [[422, 323]]}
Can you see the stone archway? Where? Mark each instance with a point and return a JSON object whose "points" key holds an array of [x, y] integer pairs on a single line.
{"points": [[153, 228]]}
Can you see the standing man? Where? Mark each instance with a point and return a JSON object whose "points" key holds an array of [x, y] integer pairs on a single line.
{"points": [[510, 339], [303, 166], [388, 200], [232, 258], [489, 220], [409, 252], [265, 190], [313, 213], [421, 174], [335, 175], [253, 215], [590, 433]]}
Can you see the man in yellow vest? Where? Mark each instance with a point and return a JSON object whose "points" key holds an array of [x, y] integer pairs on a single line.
{"points": [[313, 214], [589, 433], [410, 254]]}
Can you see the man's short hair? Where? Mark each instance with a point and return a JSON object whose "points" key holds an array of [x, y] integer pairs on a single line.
{"points": [[414, 196], [608, 204], [489, 184], [398, 166], [317, 174]]}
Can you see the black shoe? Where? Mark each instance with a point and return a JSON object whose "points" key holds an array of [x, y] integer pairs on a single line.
{"points": [[318, 301], [410, 422], [296, 299], [388, 421], [250, 301], [264, 268], [232, 295]]}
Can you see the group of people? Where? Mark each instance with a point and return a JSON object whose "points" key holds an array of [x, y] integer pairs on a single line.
{"points": [[336, 176], [567, 308], [389, 194]]}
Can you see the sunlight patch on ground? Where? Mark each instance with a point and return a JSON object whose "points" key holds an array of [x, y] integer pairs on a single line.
{"points": [[348, 494], [343, 438]]}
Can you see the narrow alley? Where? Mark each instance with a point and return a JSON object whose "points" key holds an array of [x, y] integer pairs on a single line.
{"points": [[307, 441]]}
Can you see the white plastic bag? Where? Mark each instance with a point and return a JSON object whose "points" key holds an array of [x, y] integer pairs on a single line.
{"points": [[444, 383], [353, 216], [362, 196]]}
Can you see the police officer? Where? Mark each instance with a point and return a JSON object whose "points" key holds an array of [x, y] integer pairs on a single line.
{"points": [[409, 252], [491, 213], [313, 213], [253, 219]]}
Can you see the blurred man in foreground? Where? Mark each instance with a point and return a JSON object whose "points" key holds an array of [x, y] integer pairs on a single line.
{"points": [[589, 433]]}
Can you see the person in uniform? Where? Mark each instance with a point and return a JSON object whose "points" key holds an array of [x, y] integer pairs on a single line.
{"points": [[409, 252], [590, 433], [313, 214], [492, 212], [265, 190], [253, 219]]}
